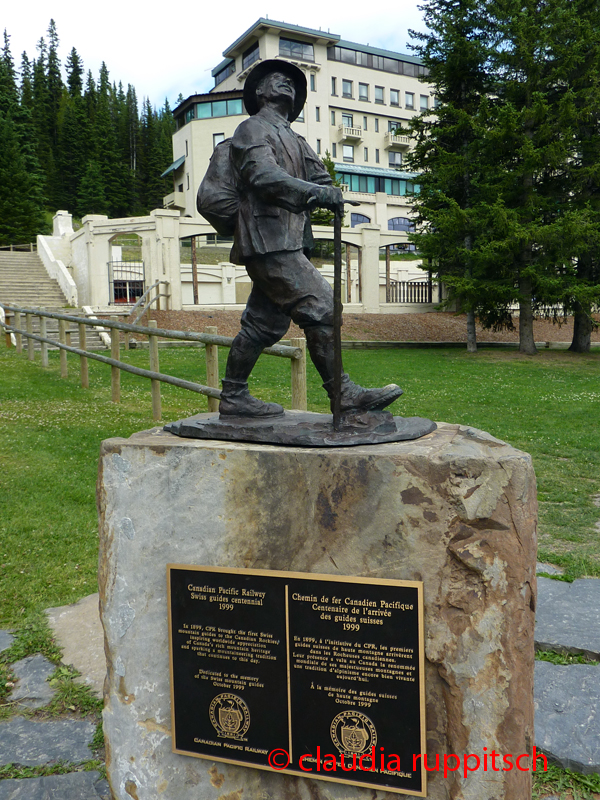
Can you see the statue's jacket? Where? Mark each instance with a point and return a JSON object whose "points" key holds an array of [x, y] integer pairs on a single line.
{"points": [[276, 172]]}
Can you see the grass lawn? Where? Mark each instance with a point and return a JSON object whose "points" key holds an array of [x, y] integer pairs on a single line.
{"points": [[51, 429]]}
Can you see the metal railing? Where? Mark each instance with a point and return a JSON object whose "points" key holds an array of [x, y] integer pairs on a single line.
{"points": [[410, 292], [155, 299], [28, 248], [15, 333]]}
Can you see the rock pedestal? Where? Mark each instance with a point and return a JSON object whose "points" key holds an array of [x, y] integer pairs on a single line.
{"points": [[455, 509]]}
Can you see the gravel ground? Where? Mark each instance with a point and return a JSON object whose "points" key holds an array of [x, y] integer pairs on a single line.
{"points": [[430, 327]]}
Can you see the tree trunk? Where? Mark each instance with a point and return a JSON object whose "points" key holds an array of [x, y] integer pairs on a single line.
{"points": [[582, 331], [582, 316], [471, 333], [526, 340]]}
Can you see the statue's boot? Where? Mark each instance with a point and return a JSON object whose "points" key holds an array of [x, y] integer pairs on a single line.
{"points": [[357, 398], [319, 340], [236, 400]]}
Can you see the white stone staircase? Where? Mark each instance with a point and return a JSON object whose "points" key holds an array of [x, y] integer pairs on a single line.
{"points": [[24, 282]]}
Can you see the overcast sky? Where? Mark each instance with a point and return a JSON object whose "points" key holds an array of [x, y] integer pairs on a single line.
{"points": [[171, 47]]}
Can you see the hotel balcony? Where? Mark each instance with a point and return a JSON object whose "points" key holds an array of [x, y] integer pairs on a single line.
{"points": [[174, 200], [347, 134], [394, 141]]}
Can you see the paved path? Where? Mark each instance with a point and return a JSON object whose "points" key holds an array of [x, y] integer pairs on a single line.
{"points": [[567, 698]]}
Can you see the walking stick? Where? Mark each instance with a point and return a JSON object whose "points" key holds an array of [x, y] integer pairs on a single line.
{"points": [[337, 317], [337, 313]]}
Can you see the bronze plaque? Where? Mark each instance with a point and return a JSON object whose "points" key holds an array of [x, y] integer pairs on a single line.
{"points": [[311, 675]]}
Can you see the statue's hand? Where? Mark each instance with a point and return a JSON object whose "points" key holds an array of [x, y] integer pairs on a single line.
{"points": [[328, 197]]}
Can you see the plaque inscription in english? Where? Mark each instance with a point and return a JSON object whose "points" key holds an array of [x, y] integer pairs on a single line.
{"points": [[328, 670]]}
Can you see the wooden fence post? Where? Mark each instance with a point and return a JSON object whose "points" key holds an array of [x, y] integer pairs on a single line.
{"points": [[30, 343], [7, 321], [18, 336], [115, 376], [212, 368], [83, 362], [62, 338], [299, 400], [154, 366], [44, 346]]}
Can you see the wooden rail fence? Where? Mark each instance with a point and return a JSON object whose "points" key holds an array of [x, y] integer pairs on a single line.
{"points": [[14, 330]]}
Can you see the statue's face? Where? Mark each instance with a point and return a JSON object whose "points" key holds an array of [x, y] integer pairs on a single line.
{"points": [[276, 86]]}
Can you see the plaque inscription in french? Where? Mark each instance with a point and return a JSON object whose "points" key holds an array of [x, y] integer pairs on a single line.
{"points": [[324, 672]]}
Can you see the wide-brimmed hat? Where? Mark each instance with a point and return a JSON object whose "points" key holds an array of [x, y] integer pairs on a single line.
{"points": [[265, 68]]}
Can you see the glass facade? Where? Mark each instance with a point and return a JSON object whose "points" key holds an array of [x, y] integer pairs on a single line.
{"points": [[347, 56], [224, 73], [299, 50], [251, 55], [370, 184], [215, 108]]}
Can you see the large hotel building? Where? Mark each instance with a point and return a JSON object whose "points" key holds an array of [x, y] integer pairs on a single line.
{"points": [[359, 103]]}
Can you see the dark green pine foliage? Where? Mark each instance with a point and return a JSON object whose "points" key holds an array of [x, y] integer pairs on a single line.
{"points": [[21, 198], [73, 150], [92, 192], [457, 214], [21, 218], [529, 139], [155, 154], [580, 43], [114, 172], [81, 143]]}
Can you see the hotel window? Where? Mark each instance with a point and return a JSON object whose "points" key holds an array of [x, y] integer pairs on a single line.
{"points": [[377, 156], [376, 125], [394, 125], [346, 88], [395, 161], [348, 152], [394, 97], [424, 102], [251, 55], [365, 123], [186, 148], [290, 48], [300, 117], [313, 82], [409, 99], [217, 139], [358, 219], [363, 91], [348, 120], [317, 114], [334, 86], [318, 147], [379, 94], [333, 117], [366, 154], [334, 150]]}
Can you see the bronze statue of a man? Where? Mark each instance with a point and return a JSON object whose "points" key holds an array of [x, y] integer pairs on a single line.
{"points": [[279, 180]]}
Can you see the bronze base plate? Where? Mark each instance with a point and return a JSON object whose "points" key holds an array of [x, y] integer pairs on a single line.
{"points": [[304, 428]]}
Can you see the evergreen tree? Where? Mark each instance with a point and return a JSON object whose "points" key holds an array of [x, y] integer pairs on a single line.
{"points": [[530, 145], [21, 218], [92, 195], [74, 68], [579, 41], [8, 85], [453, 211]]}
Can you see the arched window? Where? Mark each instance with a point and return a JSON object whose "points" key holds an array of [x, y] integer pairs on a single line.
{"points": [[358, 219], [401, 224]]}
